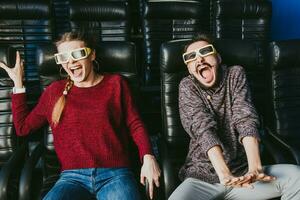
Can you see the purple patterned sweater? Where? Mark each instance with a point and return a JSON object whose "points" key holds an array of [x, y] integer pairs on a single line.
{"points": [[220, 116]]}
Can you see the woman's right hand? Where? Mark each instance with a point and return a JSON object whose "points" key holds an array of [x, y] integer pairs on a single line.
{"points": [[150, 171], [16, 73]]}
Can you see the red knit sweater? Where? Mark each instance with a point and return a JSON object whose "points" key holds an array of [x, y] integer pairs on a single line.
{"points": [[96, 125]]}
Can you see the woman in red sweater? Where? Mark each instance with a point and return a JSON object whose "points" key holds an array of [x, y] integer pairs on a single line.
{"points": [[92, 117]]}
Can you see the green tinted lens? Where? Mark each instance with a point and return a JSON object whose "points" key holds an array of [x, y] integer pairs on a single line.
{"points": [[206, 50], [78, 54], [189, 56]]}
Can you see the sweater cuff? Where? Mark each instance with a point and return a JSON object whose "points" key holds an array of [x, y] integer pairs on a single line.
{"points": [[144, 152], [246, 130], [208, 141], [18, 99]]}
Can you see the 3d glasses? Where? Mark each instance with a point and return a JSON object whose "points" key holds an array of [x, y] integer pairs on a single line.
{"points": [[76, 54], [203, 51]]}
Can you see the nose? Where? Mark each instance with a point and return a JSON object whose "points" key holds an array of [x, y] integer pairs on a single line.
{"points": [[71, 60], [200, 59]]}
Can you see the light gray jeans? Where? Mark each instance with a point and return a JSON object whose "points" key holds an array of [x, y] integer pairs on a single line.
{"points": [[286, 185]]}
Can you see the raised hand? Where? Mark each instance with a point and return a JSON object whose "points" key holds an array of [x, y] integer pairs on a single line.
{"points": [[16, 73]]}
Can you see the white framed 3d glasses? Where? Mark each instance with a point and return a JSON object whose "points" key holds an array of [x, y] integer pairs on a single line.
{"points": [[76, 54], [202, 52]]}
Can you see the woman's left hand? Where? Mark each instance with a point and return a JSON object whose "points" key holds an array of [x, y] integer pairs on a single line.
{"points": [[150, 170]]}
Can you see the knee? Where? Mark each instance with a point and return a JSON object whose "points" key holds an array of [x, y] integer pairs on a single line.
{"points": [[295, 175], [293, 171], [175, 196], [171, 198], [290, 175], [183, 190]]}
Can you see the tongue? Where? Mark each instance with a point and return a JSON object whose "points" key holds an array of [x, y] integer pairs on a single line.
{"points": [[207, 74], [77, 72]]}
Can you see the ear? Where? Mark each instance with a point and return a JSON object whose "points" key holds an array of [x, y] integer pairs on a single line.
{"points": [[93, 56], [219, 58]]}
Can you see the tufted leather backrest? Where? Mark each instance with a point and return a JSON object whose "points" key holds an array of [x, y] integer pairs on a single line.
{"points": [[169, 20], [24, 24], [241, 19], [285, 76], [108, 20], [113, 57], [253, 57], [172, 71], [233, 52], [8, 139]]}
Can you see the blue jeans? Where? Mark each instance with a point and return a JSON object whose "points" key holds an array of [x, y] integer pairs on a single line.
{"points": [[95, 183]]}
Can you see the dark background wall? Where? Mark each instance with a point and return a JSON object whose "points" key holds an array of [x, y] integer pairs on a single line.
{"points": [[285, 19]]}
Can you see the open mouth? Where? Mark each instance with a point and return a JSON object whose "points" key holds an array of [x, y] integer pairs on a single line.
{"points": [[206, 74], [205, 71], [76, 70]]}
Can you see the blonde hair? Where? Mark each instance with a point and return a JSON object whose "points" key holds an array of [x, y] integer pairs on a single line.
{"points": [[61, 102]]}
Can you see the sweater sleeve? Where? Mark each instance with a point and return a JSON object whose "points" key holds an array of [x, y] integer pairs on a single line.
{"points": [[245, 118], [196, 118], [134, 123], [24, 120]]}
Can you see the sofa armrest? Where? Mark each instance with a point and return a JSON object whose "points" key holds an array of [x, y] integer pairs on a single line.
{"points": [[168, 175], [13, 165], [294, 150], [25, 186]]}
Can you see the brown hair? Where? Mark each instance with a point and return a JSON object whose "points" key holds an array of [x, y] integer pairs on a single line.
{"points": [[199, 37], [61, 102]]}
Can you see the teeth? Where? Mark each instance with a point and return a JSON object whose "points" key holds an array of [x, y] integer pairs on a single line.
{"points": [[75, 67], [203, 66]]}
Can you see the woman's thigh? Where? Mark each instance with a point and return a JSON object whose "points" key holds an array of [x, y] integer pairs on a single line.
{"points": [[121, 186], [65, 190]]}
